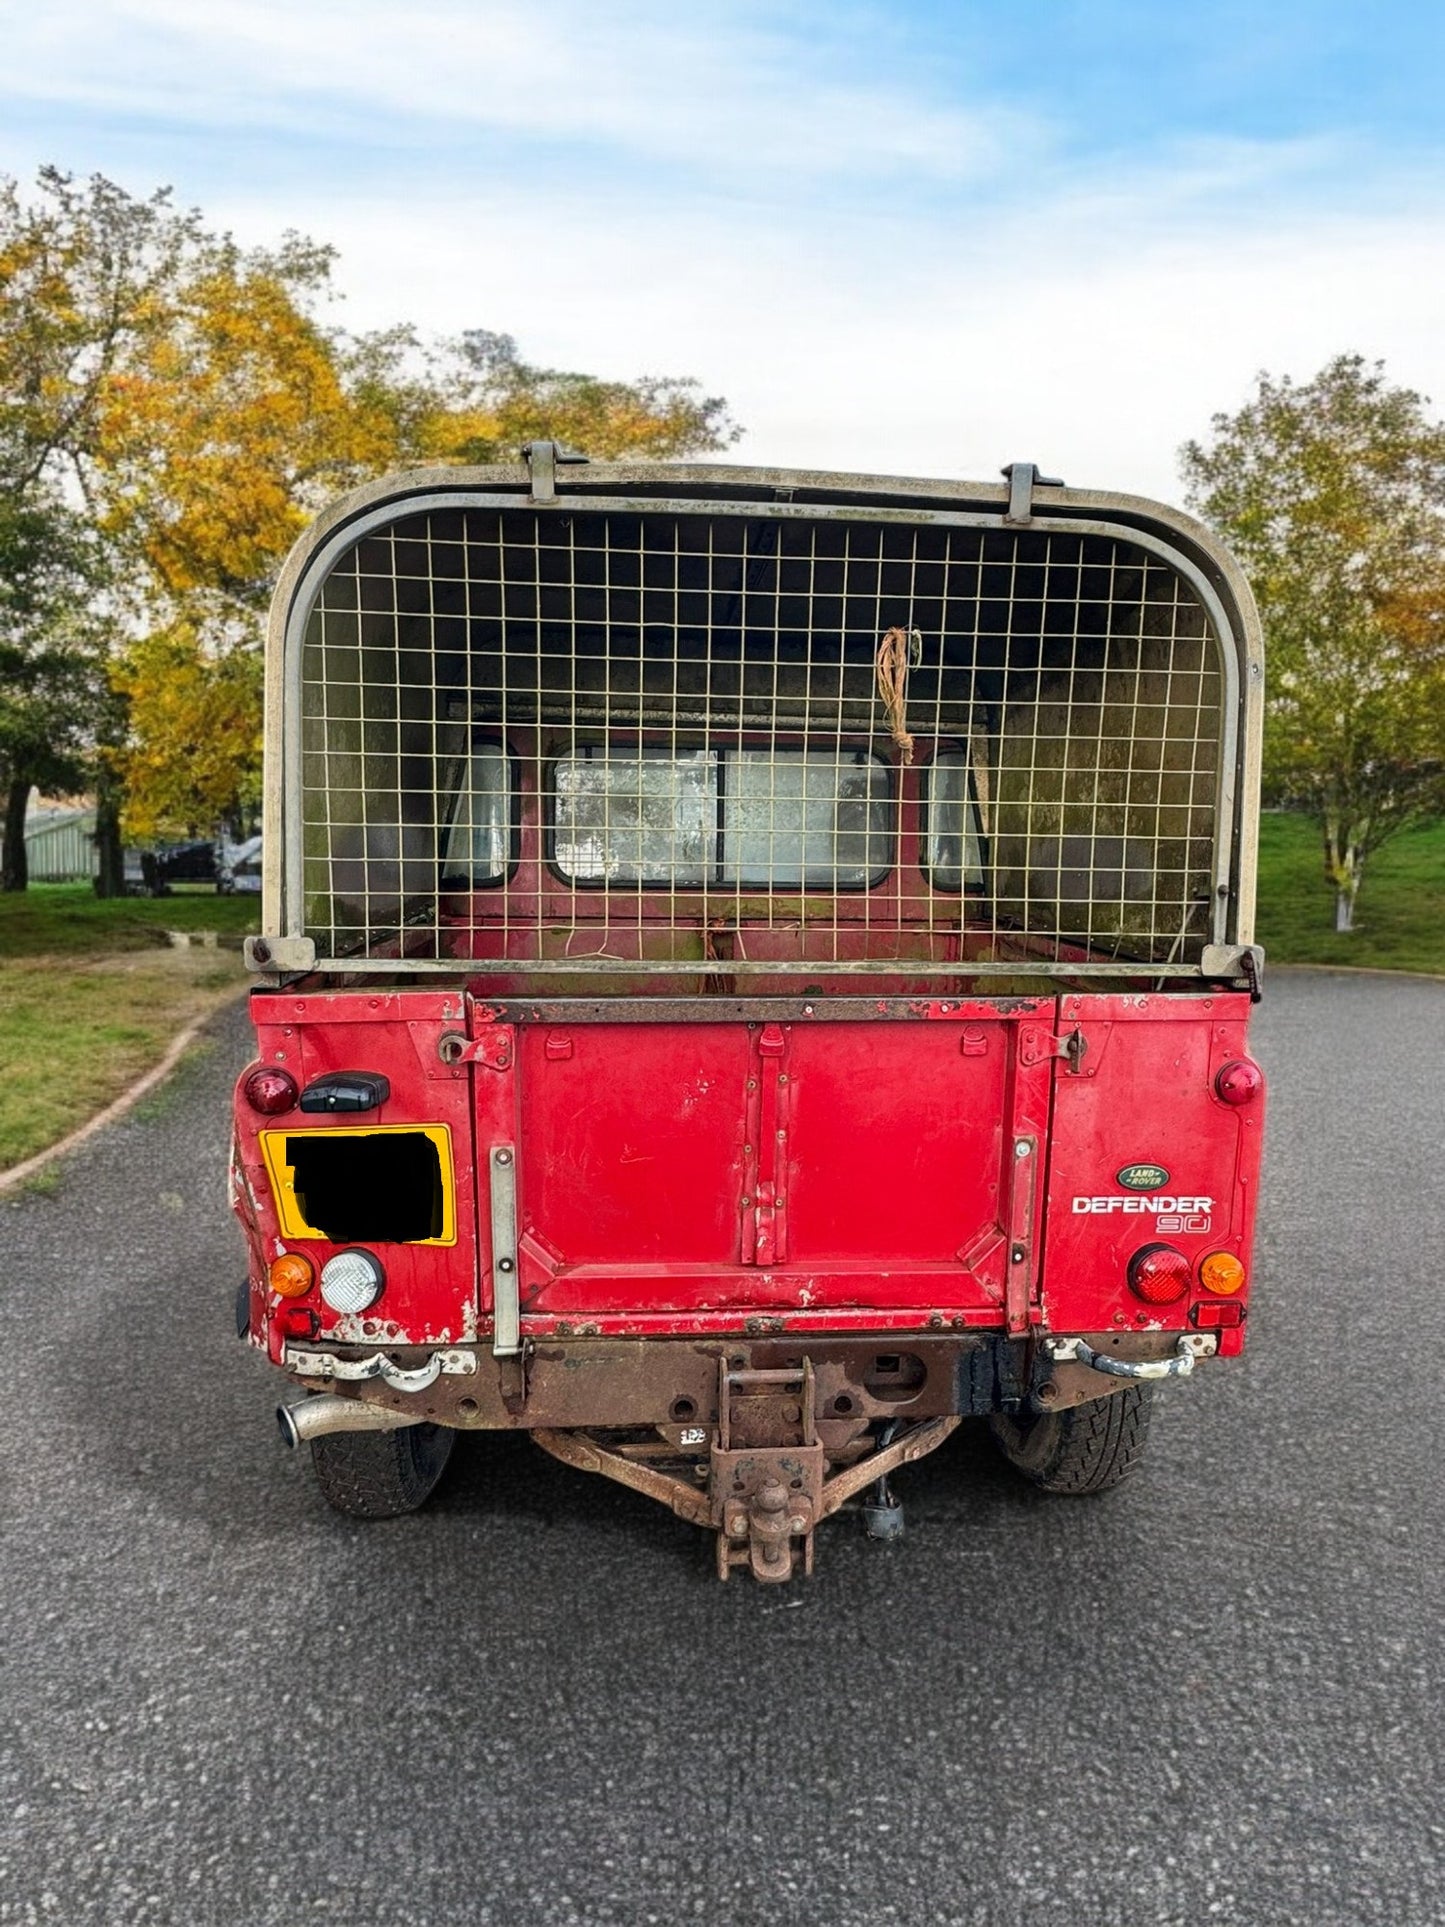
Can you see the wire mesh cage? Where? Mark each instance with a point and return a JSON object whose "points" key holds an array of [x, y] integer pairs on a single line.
{"points": [[720, 743]]}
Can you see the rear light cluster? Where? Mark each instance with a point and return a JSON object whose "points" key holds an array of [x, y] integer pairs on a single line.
{"points": [[350, 1282], [292, 1275], [270, 1092], [1159, 1275], [1239, 1082], [1221, 1272]]}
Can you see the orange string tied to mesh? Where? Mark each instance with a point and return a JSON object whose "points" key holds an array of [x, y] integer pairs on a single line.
{"points": [[895, 652]]}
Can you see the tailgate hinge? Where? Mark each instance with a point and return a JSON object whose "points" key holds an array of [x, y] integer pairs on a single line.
{"points": [[1036, 1045], [492, 1047]]}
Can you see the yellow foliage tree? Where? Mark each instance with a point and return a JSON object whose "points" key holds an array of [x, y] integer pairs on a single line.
{"points": [[194, 754], [186, 391], [221, 434], [486, 403]]}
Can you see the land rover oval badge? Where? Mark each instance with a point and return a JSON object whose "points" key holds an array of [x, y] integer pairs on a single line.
{"points": [[1143, 1177]]}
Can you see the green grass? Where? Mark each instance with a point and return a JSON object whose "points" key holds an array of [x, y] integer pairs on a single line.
{"points": [[75, 1034], [1399, 913], [68, 919]]}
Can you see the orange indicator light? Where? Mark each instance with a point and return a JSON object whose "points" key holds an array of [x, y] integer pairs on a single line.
{"points": [[1221, 1271], [291, 1275]]}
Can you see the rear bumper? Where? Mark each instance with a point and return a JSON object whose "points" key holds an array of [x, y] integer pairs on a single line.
{"points": [[672, 1383]]}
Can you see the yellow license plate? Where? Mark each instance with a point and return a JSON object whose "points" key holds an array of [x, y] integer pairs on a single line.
{"points": [[378, 1184]]}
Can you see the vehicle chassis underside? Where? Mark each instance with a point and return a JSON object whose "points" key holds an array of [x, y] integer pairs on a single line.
{"points": [[755, 1439]]}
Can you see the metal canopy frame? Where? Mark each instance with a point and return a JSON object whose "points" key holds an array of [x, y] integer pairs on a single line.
{"points": [[785, 497]]}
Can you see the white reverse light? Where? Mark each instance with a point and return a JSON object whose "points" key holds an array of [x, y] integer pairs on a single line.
{"points": [[352, 1280]]}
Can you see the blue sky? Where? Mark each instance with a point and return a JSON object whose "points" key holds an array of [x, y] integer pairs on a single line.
{"points": [[927, 238]]}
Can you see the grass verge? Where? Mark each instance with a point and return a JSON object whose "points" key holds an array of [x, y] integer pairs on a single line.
{"points": [[1399, 913], [91, 994], [72, 1038], [70, 920]]}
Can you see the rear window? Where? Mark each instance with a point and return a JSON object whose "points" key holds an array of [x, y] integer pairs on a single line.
{"points": [[787, 818], [952, 846], [477, 843]]}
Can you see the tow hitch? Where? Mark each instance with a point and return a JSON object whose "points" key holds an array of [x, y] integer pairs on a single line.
{"points": [[766, 1483], [767, 1470]]}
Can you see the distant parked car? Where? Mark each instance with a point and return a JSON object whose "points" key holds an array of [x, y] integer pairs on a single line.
{"points": [[241, 867], [151, 873]]}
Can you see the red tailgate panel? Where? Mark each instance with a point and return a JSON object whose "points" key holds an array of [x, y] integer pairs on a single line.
{"points": [[895, 1142], [701, 1167]]}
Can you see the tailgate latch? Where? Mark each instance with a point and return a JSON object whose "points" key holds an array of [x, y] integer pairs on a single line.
{"points": [[1036, 1046]]}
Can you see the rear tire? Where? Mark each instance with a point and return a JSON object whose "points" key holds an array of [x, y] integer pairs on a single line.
{"points": [[380, 1475], [1088, 1448]]}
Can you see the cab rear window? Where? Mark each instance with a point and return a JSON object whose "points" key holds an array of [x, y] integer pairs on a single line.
{"points": [[478, 843], [769, 819], [952, 844]]}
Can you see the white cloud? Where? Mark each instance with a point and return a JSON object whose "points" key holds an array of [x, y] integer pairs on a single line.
{"points": [[712, 86], [1093, 344]]}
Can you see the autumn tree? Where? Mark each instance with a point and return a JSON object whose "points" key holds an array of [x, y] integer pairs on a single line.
{"points": [[1332, 494], [189, 400], [477, 400], [229, 431], [194, 711]]}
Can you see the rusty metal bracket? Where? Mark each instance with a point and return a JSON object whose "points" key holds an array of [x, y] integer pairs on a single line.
{"points": [[492, 1048], [767, 1492], [514, 1377], [915, 1444], [1024, 1180], [766, 1520], [581, 1450]]}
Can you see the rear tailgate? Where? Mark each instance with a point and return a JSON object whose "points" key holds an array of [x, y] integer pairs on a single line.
{"points": [[877, 1167]]}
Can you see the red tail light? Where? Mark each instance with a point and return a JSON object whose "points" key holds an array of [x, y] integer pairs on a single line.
{"points": [[1239, 1082], [1159, 1274], [270, 1091]]}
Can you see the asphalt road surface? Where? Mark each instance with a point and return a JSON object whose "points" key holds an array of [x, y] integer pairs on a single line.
{"points": [[1210, 1696]]}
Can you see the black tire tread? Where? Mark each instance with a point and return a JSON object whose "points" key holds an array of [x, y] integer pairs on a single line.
{"points": [[381, 1475], [1088, 1448]]}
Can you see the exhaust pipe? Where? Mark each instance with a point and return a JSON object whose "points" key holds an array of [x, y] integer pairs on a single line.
{"points": [[312, 1418]]}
